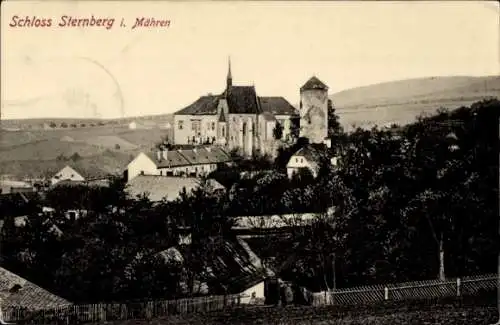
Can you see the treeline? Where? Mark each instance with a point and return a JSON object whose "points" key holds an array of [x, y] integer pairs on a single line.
{"points": [[412, 202]]}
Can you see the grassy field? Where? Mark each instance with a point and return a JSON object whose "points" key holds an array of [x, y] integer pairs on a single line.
{"points": [[401, 101], [34, 153]]}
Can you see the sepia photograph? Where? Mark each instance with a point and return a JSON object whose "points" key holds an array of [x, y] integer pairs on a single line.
{"points": [[249, 162]]}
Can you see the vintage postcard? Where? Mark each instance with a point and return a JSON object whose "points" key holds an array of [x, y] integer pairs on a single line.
{"points": [[249, 162]]}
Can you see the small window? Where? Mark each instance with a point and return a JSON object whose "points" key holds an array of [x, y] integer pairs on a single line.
{"points": [[181, 125], [223, 131], [213, 126], [142, 172], [296, 159]]}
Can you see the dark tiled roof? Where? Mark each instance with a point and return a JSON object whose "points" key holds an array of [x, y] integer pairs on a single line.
{"points": [[310, 153], [234, 269], [191, 155], [277, 106], [242, 100], [221, 154], [205, 105], [314, 83], [313, 156], [174, 159], [197, 156], [28, 295]]}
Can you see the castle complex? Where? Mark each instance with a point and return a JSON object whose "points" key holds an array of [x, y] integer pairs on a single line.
{"points": [[239, 119]]}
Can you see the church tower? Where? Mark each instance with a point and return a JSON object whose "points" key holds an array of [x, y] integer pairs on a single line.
{"points": [[314, 110], [229, 79]]}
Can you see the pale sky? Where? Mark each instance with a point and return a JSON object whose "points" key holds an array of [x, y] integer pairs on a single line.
{"points": [[277, 46]]}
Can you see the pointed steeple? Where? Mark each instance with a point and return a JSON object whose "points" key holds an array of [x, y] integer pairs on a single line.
{"points": [[229, 80]]}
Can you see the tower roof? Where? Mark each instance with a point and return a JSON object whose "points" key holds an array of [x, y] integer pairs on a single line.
{"points": [[314, 83]]}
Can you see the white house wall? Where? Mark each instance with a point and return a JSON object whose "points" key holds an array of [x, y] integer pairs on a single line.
{"points": [[208, 128], [296, 163], [142, 164], [259, 293]]}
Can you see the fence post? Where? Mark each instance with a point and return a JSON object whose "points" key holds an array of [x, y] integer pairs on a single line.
{"points": [[458, 287], [386, 293]]}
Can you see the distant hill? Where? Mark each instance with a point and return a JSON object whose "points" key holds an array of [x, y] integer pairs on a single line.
{"points": [[402, 101]]}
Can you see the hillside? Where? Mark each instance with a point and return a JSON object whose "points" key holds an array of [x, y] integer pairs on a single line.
{"points": [[36, 152], [401, 101]]}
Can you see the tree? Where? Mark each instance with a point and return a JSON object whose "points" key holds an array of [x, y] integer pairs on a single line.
{"points": [[75, 157], [335, 130], [53, 125], [64, 125], [278, 131]]}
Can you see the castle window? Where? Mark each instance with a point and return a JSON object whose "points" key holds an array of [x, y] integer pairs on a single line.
{"points": [[300, 104], [180, 125], [213, 126], [223, 131], [244, 128]]}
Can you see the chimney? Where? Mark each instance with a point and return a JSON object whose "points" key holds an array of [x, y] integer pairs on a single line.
{"points": [[165, 154], [158, 155]]}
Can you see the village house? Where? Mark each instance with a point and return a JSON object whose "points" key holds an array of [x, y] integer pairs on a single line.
{"points": [[236, 119], [90, 177], [67, 174], [193, 162]]}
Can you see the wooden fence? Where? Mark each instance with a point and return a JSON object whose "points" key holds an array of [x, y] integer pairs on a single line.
{"points": [[456, 287], [97, 313]]}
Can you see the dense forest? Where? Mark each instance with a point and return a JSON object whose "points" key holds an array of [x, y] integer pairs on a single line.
{"points": [[410, 202]]}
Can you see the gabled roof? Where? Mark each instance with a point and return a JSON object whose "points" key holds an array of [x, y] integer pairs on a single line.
{"points": [[233, 269], [68, 169], [158, 187], [312, 155], [174, 159], [205, 105], [221, 155], [19, 292], [277, 106], [314, 83], [197, 156], [242, 100]]}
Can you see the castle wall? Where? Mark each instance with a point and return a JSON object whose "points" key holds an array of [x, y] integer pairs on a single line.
{"points": [[314, 115], [235, 125], [199, 126]]}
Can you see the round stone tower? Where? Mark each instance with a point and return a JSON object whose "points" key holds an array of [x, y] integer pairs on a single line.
{"points": [[314, 110]]}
